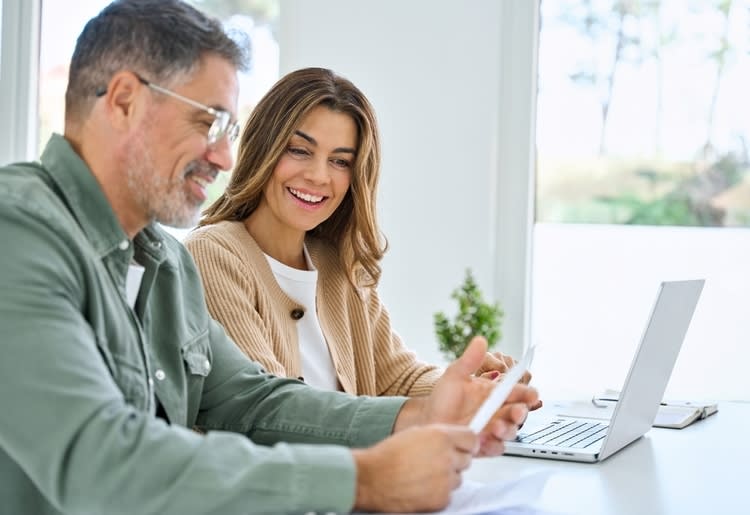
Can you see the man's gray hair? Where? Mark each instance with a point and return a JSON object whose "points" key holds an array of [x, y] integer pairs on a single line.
{"points": [[161, 40]]}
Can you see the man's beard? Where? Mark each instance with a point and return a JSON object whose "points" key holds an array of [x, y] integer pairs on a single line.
{"points": [[166, 200]]}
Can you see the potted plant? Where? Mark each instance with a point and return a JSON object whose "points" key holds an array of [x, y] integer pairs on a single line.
{"points": [[475, 317]]}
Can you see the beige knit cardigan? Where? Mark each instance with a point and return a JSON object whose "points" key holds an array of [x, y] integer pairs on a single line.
{"points": [[243, 295]]}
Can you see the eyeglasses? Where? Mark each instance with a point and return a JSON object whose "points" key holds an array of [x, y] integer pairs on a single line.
{"points": [[221, 127]]}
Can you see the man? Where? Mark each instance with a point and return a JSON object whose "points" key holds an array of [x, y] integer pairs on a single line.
{"points": [[108, 354]]}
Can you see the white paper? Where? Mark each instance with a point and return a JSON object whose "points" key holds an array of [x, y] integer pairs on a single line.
{"points": [[474, 498], [516, 497], [500, 392]]}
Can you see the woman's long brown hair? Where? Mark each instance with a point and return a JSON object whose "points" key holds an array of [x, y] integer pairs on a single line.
{"points": [[353, 227]]}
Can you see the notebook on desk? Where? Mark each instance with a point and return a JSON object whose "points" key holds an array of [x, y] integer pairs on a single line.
{"points": [[672, 414], [587, 440]]}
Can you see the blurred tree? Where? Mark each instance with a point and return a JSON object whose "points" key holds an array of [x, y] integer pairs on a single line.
{"points": [[688, 201], [619, 23], [720, 55]]}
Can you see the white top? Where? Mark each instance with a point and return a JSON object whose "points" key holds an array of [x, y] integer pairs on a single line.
{"points": [[301, 285], [133, 282]]}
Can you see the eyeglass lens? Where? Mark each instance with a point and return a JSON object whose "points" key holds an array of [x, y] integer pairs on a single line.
{"points": [[222, 126]]}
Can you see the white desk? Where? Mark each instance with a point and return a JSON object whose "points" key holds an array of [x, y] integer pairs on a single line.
{"points": [[702, 470]]}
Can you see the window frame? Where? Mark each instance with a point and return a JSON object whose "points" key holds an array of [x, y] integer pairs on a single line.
{"points": [[19, 79], [515, 192]]}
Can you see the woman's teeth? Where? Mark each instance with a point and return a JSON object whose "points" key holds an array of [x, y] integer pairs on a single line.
{"points": [[306, 197]]}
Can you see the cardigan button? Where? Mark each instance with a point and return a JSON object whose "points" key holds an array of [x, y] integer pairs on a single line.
{"points": [[297, 313]]}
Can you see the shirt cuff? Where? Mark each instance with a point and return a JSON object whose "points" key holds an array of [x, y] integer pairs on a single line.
{"points": [[374, 419], [332, 480]]}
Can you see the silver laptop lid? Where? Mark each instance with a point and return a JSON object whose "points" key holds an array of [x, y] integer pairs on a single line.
{"points": [[652, 365]]}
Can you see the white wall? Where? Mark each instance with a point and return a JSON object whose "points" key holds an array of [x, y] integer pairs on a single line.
{"points": [[432, 70]]}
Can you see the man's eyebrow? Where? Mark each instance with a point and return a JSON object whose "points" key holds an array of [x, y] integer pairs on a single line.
{"points": [[312, 141]]}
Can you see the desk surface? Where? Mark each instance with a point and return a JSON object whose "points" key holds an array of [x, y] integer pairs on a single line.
{"points": [[701, 469]]}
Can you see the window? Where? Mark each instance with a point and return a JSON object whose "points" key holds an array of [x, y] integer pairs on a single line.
{"points": [[61, 25], [642, 176], [642, 103]]}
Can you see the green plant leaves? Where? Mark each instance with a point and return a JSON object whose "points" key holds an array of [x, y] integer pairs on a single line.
{"points": [[475, 317]]}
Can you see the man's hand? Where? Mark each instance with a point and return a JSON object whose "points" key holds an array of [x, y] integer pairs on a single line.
{"points": [[414, 470], [459, 393]]}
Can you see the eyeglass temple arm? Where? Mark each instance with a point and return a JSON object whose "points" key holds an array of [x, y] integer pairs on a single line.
{"points": [[103, 91], [100, 92]]}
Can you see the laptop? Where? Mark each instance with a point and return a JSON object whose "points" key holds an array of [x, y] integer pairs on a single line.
{"points": [[592, 440]]}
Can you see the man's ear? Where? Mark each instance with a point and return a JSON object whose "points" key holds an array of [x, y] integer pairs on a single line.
{"points": [[123, 100]]}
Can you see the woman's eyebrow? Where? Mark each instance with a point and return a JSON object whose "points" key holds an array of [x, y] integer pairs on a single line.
{"points": [[312, 141], [307, 137]]}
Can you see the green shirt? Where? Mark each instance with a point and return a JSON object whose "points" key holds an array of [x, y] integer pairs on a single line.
{"points": [[81, 374]]}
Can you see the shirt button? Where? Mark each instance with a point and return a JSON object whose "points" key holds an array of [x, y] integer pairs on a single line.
{"points": [[207, 365], [160, 375], [150, 382], [124, 244], [297, 313]]}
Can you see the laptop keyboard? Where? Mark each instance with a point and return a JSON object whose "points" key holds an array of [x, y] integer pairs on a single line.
{"points": [[574, 434]]}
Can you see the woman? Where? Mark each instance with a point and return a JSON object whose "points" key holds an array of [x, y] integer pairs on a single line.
{"points": [[290, 253]]}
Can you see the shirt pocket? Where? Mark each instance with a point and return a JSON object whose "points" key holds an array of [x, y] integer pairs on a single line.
{"points": [[197, 356]]}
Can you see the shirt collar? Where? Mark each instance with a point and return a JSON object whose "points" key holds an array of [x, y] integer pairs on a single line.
{"points": [[87, 203]]}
